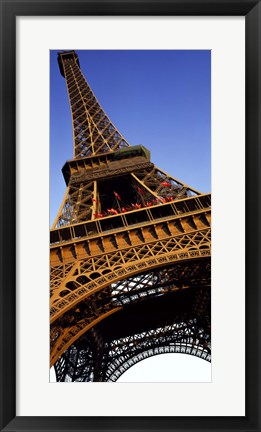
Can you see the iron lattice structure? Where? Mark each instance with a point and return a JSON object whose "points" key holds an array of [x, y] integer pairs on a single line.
{"points": [[130, 252]]}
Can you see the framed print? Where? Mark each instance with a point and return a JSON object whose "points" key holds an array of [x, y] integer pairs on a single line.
{"points": [[35, 32]]}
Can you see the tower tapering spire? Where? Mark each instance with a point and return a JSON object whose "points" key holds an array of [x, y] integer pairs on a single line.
{"points": [[93, 131], [107, 176]]}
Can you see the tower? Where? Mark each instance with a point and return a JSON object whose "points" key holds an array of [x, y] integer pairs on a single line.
{"points": [[130, 252]]}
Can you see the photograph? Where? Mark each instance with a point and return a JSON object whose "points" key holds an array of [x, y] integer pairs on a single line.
{"points": [[130, 215], [130, 242]]}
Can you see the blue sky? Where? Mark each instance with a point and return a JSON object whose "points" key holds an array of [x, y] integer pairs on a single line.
{"points": [[160, 99]]}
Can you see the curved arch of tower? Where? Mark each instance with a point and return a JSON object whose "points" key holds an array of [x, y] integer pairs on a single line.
{"points": [[129, 249]]}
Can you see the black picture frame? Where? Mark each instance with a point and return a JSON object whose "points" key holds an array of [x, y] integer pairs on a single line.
{"points": [[251, 10]]}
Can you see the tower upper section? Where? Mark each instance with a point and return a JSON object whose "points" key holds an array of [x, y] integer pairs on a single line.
{"points": [[94, 133]]}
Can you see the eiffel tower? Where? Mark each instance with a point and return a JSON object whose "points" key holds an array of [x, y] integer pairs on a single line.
{"points": [[129, 250]]}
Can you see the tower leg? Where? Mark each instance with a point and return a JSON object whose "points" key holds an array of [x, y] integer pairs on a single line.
{"points": [[97, 345]]}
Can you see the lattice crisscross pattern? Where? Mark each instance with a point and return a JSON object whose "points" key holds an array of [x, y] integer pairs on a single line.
{"points": [[94, 132]]}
